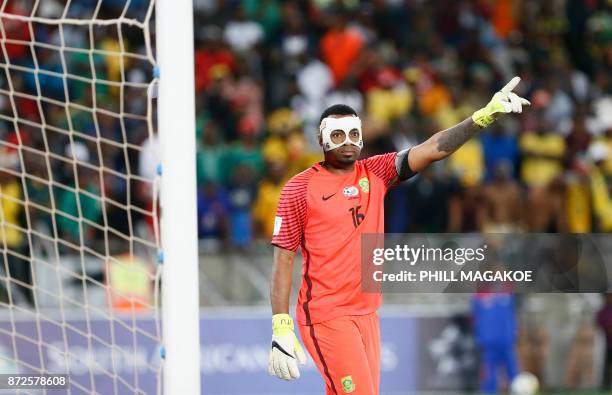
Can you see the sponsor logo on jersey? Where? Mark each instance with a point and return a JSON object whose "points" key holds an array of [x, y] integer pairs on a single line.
{"points": [[351, 191], [364, 183], [327, 197], [347, 384]]}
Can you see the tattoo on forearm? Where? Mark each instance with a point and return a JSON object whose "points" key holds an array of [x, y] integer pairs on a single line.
{"points": [[452, 138]]}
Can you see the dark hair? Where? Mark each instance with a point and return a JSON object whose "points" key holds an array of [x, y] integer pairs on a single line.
{"points": [[337, 109]]}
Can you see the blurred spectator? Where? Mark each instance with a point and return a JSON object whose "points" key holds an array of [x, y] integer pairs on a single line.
{"points": [[544, 209], [346, 93], [455, 110], [502, 202], [209, 156], [604, 320], [281, 123], [499, 147], [602, 198], [607, 140], [245, 151], [149, 164], [266, 12], [464, 209], [79, 202], [467, 163], [340, 46], [150, 157], [313, 81], [578, 205], [113, 61], [218, 104], [294, 37], [503, 17], [49, 80], [286, 142], [577, 198], [241, 194], [300, 155], [578, 140], [14, 243], [38, 191], [542, 151], [245, 95], [580, 372], [26, 107], [496, 333], [17, 32], [241, 33], [387, 95], [434, 97], [268, 194], [211, 56], [560, 106], [542, 154], [426, 199], [213, 214], [533, 350]]}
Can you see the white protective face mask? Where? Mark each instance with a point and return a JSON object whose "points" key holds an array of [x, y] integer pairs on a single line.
{"points": [[346, 124]]}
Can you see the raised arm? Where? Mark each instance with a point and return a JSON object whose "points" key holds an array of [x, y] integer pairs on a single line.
{"points": [[441, 144], [444, 143]]}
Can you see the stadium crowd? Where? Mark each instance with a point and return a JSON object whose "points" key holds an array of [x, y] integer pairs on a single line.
{"points": [[265, 70]]}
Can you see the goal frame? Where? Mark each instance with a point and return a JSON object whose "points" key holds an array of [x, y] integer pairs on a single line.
{"points": [[176, 127]]}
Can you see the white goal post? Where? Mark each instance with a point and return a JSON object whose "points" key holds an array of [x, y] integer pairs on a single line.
{"points": [[176, 111]]}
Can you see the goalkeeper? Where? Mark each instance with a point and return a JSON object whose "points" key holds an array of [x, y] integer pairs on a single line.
{"points": [[324, 210]]}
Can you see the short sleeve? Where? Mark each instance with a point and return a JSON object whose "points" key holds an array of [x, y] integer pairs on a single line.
{"points": [[290, 215], [383, 166]]}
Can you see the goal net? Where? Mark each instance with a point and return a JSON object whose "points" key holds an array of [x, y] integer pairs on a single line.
{"points": [[79, 239]]}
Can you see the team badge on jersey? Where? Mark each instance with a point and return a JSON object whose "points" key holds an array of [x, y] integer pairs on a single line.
{"points": [[364, 183], [350, 192], [347, 384]]}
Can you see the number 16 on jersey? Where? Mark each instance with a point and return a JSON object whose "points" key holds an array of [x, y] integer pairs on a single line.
{"points": [[356, 215]]}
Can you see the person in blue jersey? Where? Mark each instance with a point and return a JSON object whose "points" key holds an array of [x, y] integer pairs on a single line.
{"points": [[495, 328]]}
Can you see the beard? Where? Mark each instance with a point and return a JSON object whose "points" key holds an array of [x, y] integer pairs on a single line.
{"points": [[346, 161], [346, 156], [341, 157]]}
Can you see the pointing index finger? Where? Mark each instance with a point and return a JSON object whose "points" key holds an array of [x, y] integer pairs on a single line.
{"points": [[511, 85]]}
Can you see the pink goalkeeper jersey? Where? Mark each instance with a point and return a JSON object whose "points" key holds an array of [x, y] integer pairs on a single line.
{"points": [[325, 214]]}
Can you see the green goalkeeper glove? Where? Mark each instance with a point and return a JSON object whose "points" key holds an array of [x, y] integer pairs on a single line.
{"points": [[503, 102], [286, 350]]}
